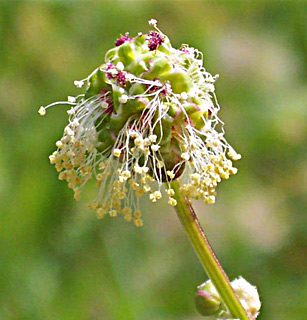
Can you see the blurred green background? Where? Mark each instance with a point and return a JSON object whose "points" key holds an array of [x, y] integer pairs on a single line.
{"points": [[57, 261]]}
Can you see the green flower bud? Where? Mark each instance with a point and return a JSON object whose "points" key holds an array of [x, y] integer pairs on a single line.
{"points": [[207, 300]]}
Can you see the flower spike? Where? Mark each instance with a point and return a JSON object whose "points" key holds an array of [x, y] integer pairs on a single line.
{"points": [[148, 116]]}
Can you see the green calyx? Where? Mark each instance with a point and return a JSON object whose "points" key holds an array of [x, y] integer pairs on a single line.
{"points": [[207, 300]]}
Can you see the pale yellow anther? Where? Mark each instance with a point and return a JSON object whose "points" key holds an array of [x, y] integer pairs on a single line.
{"points": [[146, 188], [99, 177], [78, 84], [139, 192], [138, 222], [121, 195], [153, 138], [52, 159], [158, 195], [126, 210], [134, 185], [128, 217], [104, 105], [233, 170], [224, 175], [146, 151], [71, 111], [152, 198], [233, 154], [152, 22], [62, 175], [134, 134], [171, 174], [113, 213], [185, 148], [100, 213], [137, 214], [144, 169], [42, 111], [138, 142], [172, 201], [185, 156], [126, 174], [58, 166], [170, 192], [102, 166], [155, 147], [59, 144], [195, 177], [116, 152], [146, 142], [123, 98], [94, 205], [211, 199], [137, 169]]}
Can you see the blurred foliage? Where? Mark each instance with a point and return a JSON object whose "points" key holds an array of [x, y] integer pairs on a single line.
{"points": [[57, 260]]}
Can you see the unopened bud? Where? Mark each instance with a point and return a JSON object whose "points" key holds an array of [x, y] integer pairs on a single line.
{"points": [[208, 301]]}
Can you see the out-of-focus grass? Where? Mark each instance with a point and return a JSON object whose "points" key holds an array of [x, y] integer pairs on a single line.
{"points": [[57, 260]]}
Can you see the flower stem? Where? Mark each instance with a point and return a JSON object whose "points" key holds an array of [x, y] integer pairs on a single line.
{"points": [[206, 254]]}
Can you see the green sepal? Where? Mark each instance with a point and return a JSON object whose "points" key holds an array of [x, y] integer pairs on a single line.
{"points": [[137, 67], [190, 107], [175, 111], [96, 83], [158, 67], [125, 53], [137, 89], [165, 136], [166, 46], [139, 40], [180, 81], [197, 119], [133, 106]]}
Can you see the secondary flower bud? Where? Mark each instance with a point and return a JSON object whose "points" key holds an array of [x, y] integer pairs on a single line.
{"points": [[207, 300], [149, 109]]}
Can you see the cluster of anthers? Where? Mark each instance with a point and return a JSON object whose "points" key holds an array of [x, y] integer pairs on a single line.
{"points": [[148, 116]]}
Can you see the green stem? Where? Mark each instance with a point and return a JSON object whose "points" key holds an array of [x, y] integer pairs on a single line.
{"points": [[206, 255]]}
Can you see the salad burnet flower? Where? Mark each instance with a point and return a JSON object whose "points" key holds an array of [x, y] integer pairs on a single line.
{"points": [[149, 115]]}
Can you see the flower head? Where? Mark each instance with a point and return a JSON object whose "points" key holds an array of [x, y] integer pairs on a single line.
{"points": [[148, 116]]}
